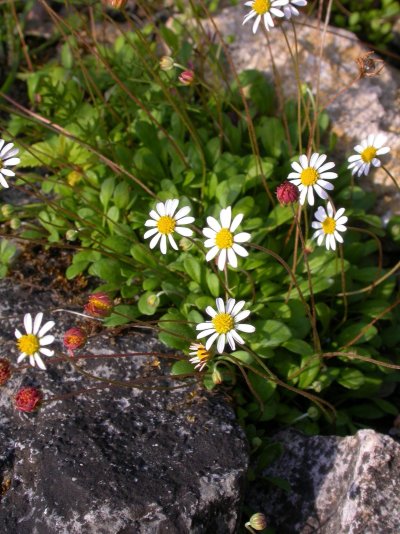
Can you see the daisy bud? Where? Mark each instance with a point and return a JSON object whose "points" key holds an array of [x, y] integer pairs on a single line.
{"points": [[187, 77], [216, 377], [7, 210], [71, 234], [27, 399], [99, 305], [117, 4], [15, 223], [258, 521], [74, 338], [287, 193], [167, 63], [5, 371]]}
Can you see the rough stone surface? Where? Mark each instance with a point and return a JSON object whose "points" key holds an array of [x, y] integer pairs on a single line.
{"points": [[369, 106], [117, 460], [339, 485]]}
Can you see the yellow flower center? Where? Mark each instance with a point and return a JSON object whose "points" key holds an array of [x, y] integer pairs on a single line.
{"points": [[368, 154], [224, 238], [309, 176], [166, 224], [28, 344], [202, 353], [329, 225], [223, 323], [261, 6]]}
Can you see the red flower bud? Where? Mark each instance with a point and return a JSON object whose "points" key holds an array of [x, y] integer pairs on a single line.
{"points": [[5, 371], [287, 193], [99, 305], [28, 399], [186, 77], [74, 338]]}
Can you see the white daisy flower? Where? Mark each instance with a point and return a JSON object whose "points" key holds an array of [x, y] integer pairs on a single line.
{"points": [[367, 151], [221, 239], [328, 225], [291, 9], [34, 341], [312, 175], [264, 9], [224, 323], [165, 223], [200, 355], [7, 159]]}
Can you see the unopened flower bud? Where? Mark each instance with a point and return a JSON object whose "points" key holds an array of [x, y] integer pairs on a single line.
{"points": [[99, 305], [167, 63], [5, 371], [117, 4], [71, 234], [28, 399], [7, 210], [313, 412], [74, 338], [258, 521], [216, 377], [15, 223], [317, 386], [287, 193], [186, 77]]}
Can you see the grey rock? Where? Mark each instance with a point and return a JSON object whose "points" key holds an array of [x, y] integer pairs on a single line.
{"points": [[339, 485], [114, 460], [369, 106]]}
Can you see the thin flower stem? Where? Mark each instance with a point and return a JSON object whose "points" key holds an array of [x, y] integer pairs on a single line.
{"points": [[391, 177], [371, 323], [317, 343], [343, 279], [295, 252], [375, 283]]}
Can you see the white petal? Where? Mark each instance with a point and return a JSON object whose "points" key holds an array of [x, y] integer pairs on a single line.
{"points": [[383, 150], [313, 159], [186, 232], [6, 149], [209, 243], [172, 242], [338, 237], [221, 343], [245, 328], [242, 237], [320, 192], [242, 315], [249, 16], [268, 21], [211, 312], [182, 212], [160, 207], [355, 157], [220, 305], [3, 181], [21, 357], [212, 253], [222, 259], [205, 333], [150, 222], [256, 24], [232, 260], [211, 340], [297, 167], [32, 360], [237, 337], [208, 232], [214, 224], [155, 240], [320, 161], [376, 163], [303, 161], [154, 215], [330, 209], [185, 220], [238, 306], [225, 217], [303, 195], [163, 244], [46, 351], [173, 205], [150, 233], [46, 340], [230, 340], [236, 221], [230, 304], [339, 213], [28, 323], [326, 185], [39, 362], [241, 251], [310, 196], [12, 161], [17, 333], [277, 12], [326, 167], [45, 328], [328, 175], [205, 326]]}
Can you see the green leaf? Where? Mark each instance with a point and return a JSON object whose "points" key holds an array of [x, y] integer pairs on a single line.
{"points": [[182, 367], [213, 283], [350, 332], [106, 191], [175, 332], [193, 268], [122, 314], [148, 303], [350, 378], [275, 333], [143, 254]]}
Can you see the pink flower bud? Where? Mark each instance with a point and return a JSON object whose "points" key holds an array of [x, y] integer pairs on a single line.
{"points": [[287, 193], [99, 305], [186, 77], [74, 338], [28, 399]]}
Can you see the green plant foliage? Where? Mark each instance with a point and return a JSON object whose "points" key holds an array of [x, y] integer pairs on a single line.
{"points": [[129, 135]]}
